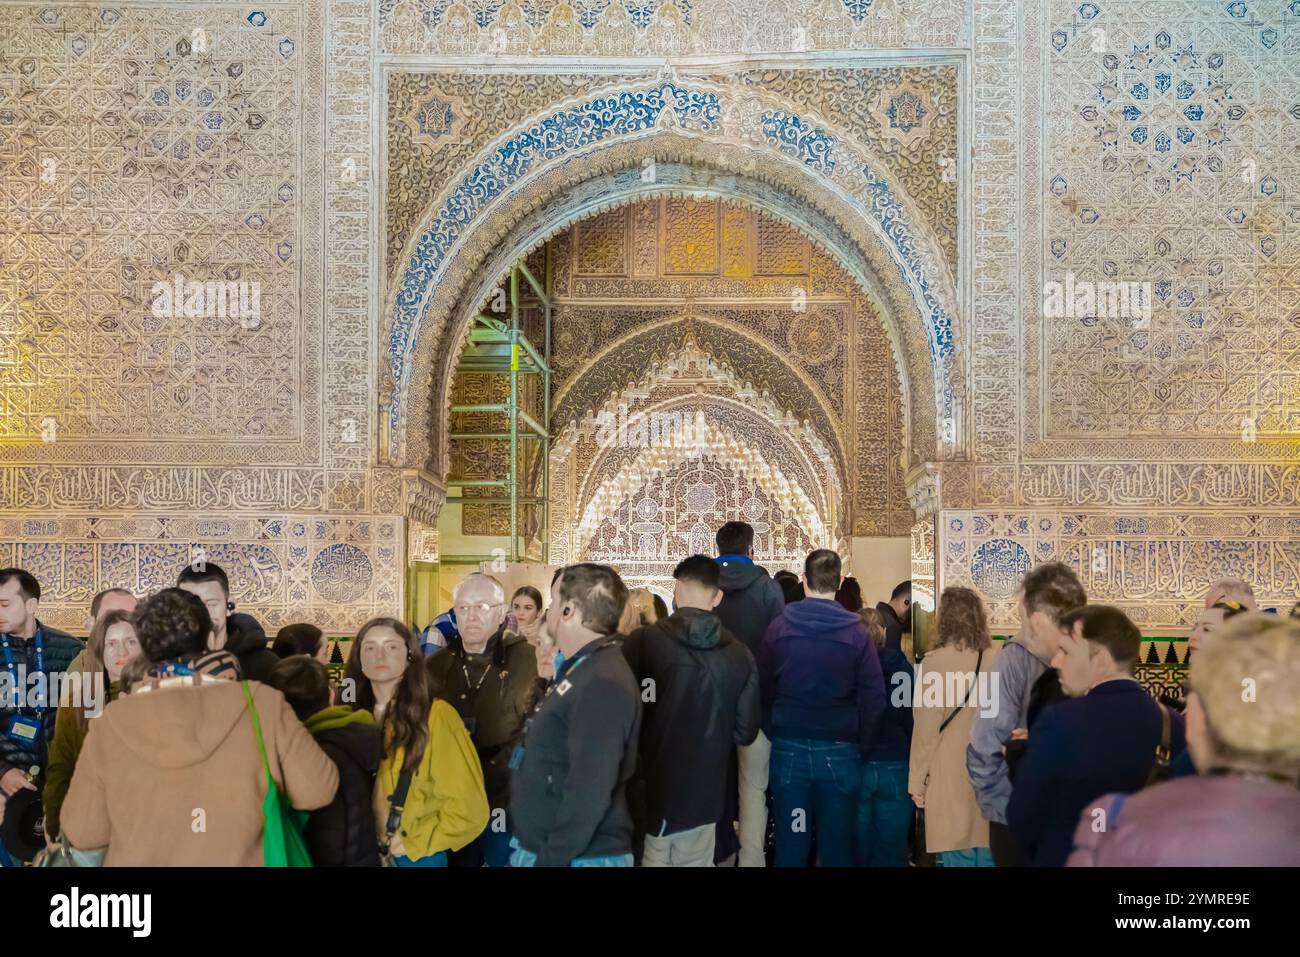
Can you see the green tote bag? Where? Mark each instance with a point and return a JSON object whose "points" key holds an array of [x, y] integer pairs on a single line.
{"points": [[282, 840]]}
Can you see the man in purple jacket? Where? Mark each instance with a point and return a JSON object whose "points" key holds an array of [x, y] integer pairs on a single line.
{"points": [[823, 696]]}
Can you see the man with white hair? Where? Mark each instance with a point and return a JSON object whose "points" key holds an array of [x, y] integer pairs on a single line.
{"points": [[489, 677]]}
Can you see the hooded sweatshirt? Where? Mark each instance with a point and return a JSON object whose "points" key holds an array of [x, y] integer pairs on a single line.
{"points": [[820, 676], [343, 833], [704, 703], [246, 640], [172, 776], [751, 599]]}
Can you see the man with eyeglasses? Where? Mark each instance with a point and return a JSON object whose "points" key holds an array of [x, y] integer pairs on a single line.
{"points": [[488, 676]]}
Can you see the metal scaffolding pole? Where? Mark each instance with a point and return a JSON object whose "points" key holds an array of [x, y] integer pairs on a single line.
{"points": [[502, 348]]}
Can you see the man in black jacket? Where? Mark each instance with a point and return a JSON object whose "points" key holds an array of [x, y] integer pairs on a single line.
{"points": [[897, 613], [341, 834], [699, 686], [568, 801], [489, 676], [751, 599], [238, 634], [27, 721]]}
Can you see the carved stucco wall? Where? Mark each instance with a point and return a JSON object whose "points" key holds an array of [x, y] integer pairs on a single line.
{"points": [[1145, 142], [1139, 142], [138, 141], [1119, 449]]}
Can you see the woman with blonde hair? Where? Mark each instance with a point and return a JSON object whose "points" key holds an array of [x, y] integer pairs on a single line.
{"points": [[639, 611], [955, 829]]}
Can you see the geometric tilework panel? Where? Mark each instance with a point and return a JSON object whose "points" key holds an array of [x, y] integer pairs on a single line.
{"points": [[1157, 567], [1171, 161], [282, 568]]}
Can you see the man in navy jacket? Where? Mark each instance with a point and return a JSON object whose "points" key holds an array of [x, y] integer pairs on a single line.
{"points": [[1101, 741], [823, 696]]}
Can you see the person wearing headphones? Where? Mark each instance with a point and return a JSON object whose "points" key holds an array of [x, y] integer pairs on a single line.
{"points": [[238, 634]]}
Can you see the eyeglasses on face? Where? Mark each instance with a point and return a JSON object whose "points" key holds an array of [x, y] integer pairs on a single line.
{"points": [[480, 608]]}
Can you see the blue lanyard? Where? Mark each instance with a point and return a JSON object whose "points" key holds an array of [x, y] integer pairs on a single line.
{"points": [[573, 663], [40, 709]]}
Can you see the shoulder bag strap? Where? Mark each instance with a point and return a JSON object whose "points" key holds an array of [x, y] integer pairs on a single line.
{"points": [[257, 729], [969, 688], [1160, 761], [396, 801]]}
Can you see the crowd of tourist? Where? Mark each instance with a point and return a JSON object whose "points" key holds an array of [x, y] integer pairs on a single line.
{"points": [[763, 719]]}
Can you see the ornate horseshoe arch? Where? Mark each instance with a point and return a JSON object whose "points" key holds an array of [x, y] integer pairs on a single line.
{"points": [[697, 138]]}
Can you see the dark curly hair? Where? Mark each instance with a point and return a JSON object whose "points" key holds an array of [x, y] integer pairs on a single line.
{"points": [[172, 624], [962, 622]]}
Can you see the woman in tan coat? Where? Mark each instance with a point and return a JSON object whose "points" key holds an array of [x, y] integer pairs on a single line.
{"points": [[943, 713], [170, 774]]}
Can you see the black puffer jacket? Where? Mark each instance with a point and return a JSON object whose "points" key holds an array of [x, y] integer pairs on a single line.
{"points": [[493, 700], [751, 598], [342, 834], [246, 640], [58, 648], [705, 702]]}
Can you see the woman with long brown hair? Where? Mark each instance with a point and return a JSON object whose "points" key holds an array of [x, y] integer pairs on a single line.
{"points": [[111, 646], [952, 683], [429, 794], [525, 617]]}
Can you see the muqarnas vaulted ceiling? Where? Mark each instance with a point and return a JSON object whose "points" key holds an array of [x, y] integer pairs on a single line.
{"points": [[705, 288]]}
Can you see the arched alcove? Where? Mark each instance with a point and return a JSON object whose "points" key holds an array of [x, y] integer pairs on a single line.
{"points": [[674, 137]]}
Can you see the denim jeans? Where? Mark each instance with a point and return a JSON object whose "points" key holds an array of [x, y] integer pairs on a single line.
{"points": [[522, 857], [489, 849], [970, 857], [884, 815], [433, 860], [814, 785]]}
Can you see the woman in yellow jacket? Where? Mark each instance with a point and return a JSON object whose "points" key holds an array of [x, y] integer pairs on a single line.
{"points": [[446, 806]]}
